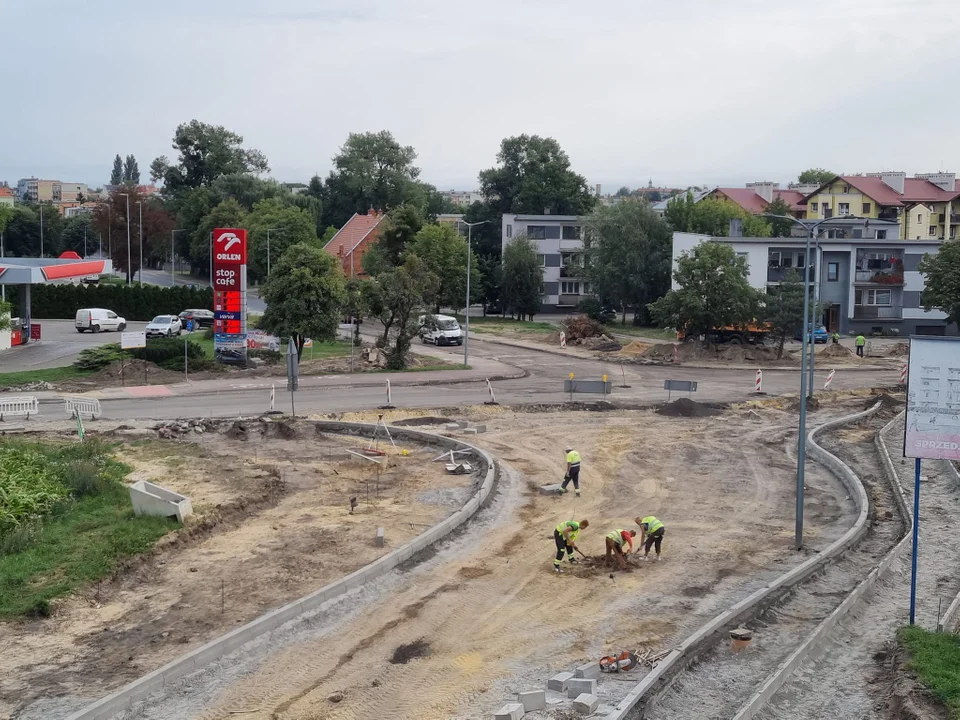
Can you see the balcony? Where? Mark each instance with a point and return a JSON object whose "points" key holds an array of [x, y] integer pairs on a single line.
{"points": [[879, 277], [877, 312], [776, 274], [569, 300], [574, 271]]}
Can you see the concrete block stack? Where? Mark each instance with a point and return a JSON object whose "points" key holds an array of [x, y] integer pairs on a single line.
{"points": [[510, 711], [579, 686]]}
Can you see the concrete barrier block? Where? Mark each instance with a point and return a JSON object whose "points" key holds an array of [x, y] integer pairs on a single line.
{"points": [[559, 682], [469, 431], [510, 711], [481, 428], [579, 686], [585, 704], [452, 426], [590, 670], [532, 700], [462, 423], [378, 540], [551, 490]]}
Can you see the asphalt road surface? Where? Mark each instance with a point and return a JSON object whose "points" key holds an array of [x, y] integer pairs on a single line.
{"points": [[59, 345]]}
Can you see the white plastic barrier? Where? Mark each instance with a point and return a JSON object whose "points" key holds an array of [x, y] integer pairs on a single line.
{"points": [[19, 406], [82, 406]]}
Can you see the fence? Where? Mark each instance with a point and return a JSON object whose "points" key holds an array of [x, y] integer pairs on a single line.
{"points": [[19, 406], [82, 406]]}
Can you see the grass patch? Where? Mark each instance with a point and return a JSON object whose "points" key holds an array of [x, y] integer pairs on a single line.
{"points": [[66, 521], [57, 374], [935, 658], [319, 351], [647, 332], [493, 324]]}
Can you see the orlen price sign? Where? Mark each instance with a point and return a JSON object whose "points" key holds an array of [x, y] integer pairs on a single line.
{"points": [[230, 294]]}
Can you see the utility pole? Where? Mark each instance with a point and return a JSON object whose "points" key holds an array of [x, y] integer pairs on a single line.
{"points": [[41, 229], [466, 312], [140, 229], [129, 264]]}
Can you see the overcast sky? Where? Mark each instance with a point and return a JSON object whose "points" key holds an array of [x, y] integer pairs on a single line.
{"points": [[680, 91]]}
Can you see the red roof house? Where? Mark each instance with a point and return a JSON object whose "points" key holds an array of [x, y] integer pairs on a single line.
{"points": [[354, 239], [755, 198]]}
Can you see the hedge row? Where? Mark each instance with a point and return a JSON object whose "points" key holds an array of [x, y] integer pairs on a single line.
{"points": [[133, 302]]}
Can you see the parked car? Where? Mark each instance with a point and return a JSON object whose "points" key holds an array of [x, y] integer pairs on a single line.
{"points": [[164, 326], [97, 319], [440, 330], [608, 314], [820, 335], [91, 280], [201, 318]]}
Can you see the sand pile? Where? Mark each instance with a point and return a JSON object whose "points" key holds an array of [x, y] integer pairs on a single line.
{"points": [[637, 348], [836, 350], [901, 349]]}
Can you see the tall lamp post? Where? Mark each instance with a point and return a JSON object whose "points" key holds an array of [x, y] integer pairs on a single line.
{"points": [[140, 230], [807, 338], [129, 276], [466, 311], [173, 255], [41, 229], [270, 230]]}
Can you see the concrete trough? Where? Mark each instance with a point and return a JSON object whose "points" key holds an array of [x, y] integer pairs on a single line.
{"points": [[150, 499]]}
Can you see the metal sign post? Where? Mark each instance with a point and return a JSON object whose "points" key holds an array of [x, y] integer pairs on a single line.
{"points": [[687, 386], [293, 373], [130, 341]]}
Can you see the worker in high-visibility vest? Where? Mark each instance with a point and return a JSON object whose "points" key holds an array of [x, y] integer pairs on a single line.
{"points": [[651, 534], [565, 536], [573, 471], [615, 541]]}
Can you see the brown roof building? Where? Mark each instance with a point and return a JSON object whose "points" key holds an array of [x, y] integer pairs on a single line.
{"points": [[354, 239]]}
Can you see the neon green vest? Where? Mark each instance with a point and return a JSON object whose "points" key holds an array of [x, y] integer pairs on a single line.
{"points": [[617, 537], [573, 525], [652, 524]]}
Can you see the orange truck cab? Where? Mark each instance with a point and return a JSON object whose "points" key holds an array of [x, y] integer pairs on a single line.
{"points": [[753, 333]]}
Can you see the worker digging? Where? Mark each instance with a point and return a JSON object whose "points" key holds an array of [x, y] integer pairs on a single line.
{"points": [[573, 471], [651, 534], [565, 535], [615, 541]]}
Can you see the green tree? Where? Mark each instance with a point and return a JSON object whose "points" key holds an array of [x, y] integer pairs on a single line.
{"points": [[942, 280], [714, 292], [486, 238], [533, 175], [206, 152], [712, 216], [22, 233], [80, 235], [623, 192], [4, 315], [288, 226], [680, 211], [783, 307], [403, 224], [328, 235], [305, 296], [372, 170], [491, 283], [6, 214], [131, 171], [522, 278], [816, 176], [397, 298], [779, 228], [444, 253], [228, 214], [116, 175], [627, 255], [247, 189]]}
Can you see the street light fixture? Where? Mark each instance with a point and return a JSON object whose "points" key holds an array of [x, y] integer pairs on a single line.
{"points": [[270, 230], [173, 255], [129, 276], [466, 311]]}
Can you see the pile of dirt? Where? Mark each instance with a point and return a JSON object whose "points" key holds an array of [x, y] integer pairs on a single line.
{"points": [[901, 349], [578, 327], [721, 354], [426, 420], [836, 350], [684, 407], [603, 343], [754, 354], [409, 651], [635, 348]]}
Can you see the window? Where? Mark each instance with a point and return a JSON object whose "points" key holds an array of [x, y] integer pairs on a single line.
{"points": [[881, 234], [570, 287], [537, 232], [570, 232], [509, 231], [543, 259], [844, 208], [943, 218], [933, 230], [866, 208], [833, 272], [571, 260], [814, 206], [773, 259], [919, 217], [800, 262], [874, 297], [846, 189]]}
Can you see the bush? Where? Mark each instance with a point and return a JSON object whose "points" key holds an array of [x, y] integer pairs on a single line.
{"points": [[133, 302], [95, 358], [83, 477], [592, 308], [269, 357], [163, 350]]}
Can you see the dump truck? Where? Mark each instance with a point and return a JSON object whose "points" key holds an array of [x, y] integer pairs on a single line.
{"points": [[753, 333]]}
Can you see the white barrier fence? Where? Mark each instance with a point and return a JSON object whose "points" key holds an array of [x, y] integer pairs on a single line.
{"points": [[19, 406], [82, 406]]}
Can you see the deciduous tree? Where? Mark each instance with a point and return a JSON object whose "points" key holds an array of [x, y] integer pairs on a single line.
{"points": [[783, 307], [522, 277], [288, 226], [816, 176], [305, 296], [116, 175], [397, 298], [444, 253], [942, 280], [779, 227]]}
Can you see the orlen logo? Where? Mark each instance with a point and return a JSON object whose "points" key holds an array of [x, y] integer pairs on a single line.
{"points": [[230, 247]]}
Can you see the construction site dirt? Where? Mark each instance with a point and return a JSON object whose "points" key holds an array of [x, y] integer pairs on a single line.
{"points": [[497, 620], [272, 522]]}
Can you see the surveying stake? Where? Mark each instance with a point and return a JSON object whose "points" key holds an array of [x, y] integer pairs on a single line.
{"points": [[375, 449]]}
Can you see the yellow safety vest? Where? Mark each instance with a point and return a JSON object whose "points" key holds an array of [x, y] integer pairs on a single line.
{"points": [[861, 341], [652, 524], [573, 525], [573, 457], [617, 537]]}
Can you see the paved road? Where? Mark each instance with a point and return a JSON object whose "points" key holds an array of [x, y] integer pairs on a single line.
{"points": [[60, 344]]}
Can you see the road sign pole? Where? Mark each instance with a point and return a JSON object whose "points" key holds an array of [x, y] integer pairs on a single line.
{"points": [[916, 535]]}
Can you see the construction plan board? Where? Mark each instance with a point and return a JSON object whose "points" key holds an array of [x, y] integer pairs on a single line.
{"points": [[932, 425]]}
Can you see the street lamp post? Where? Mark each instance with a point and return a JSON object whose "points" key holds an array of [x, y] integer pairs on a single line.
{"points": [[270, 230], [41, 229], [129, 275], [140, 231], [466, 311], [173, 255]]}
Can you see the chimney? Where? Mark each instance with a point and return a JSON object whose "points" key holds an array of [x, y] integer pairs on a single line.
{"points": [[736, 227], [894, 180], [764, 189], [371, 212], [944, 181]]}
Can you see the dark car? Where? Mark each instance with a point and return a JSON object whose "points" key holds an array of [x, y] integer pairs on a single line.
{"points": [[201, 318]]}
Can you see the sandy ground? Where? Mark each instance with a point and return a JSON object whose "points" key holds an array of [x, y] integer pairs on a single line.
{"points": [[489, 617], [271, 524]]}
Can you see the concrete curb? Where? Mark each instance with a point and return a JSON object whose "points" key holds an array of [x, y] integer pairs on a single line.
{"points": [[167, 675], [776, 680], [951, 617], [659, 679]]}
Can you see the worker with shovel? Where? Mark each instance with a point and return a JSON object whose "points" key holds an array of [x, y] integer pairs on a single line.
{"points": [[573, 471], [615, 541], [651, 533], [565, 536]]}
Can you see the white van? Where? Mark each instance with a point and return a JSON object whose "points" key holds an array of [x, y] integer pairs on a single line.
{"points": [[440, 330], [97, 319]]}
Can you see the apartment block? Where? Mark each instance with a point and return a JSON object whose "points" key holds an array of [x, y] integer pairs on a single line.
{"points": [[559, 242], [37, 190]]}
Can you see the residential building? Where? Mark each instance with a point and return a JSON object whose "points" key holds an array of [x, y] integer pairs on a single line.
{"points": [[354, 239], [69, 210], [37, 190], [755, 196], [144, 190], [560, 246], [927, 207], [660, 208], [6, 196], [863, 274], [454, 220], [462, 197]]}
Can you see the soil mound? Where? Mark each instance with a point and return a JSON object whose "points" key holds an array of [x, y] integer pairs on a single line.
{"points": [[426, 420], [636, 348], [405, 653], [901, 349], [759, 354], [836, 350], [581, 327], [684, 407], [721, 354]]}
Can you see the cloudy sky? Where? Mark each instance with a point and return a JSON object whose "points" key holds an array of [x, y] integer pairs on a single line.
{"points": [[680, 91]]}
